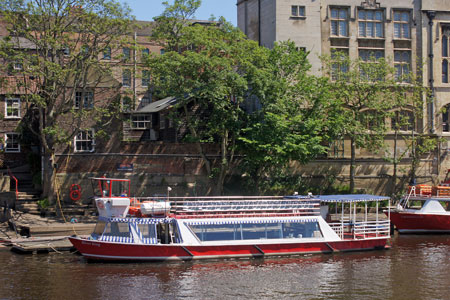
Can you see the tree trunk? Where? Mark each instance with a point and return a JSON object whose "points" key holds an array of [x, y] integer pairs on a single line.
{"points": [[48, 180], [352, 165], [395, 165]]}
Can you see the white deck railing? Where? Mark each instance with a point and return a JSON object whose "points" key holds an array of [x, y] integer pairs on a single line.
{"points": [[362, 230]]}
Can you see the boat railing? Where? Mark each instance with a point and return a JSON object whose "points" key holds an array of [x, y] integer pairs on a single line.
{"points": [[370, 229], [250, 206], [361, 229]]}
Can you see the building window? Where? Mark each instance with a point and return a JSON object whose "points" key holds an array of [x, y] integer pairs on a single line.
{"points": [[297, 11], [340, 63], [107, 53], [372, 120], [145, 53], [126, 78], [446, 118], [18, 66], [66, 50], [162, 121], [126, 53], [403, 120], [85, 49], [145, 78], [126, 104], [402, 63], [145, 101], [84, 99], [402, 25], [445, 53], [141, 121], [12, 142], [12, 108], [369, 56], [370, 23], [339, 22], [336, 149], [84, 141]]}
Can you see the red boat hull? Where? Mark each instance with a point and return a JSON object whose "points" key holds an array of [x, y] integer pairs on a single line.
{"points": [[420, 223], [117, 251]]}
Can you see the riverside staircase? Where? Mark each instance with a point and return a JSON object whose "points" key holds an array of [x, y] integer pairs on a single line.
{"points": [[27, 194]]}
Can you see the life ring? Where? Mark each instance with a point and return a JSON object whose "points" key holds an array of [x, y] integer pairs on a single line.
{"points": [[75, 192]]}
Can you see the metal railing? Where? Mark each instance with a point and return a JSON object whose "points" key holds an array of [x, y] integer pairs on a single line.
{"points": [[239, 206], [362, 230], [15, 180]]}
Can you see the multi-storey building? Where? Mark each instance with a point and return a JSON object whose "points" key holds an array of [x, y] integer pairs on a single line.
{"points": [[413, 35], [140, 144]]}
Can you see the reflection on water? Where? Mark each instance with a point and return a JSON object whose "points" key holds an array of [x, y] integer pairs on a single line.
{"points": [[417, 267]]}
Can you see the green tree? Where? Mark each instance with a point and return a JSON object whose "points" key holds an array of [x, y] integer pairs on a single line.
{"points": [[295, 121], [364, 89], [208, 71], [406, 116], [58, 44], [171, 24]]}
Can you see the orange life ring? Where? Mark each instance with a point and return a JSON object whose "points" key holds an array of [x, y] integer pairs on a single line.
{"points": [[75, 192]]}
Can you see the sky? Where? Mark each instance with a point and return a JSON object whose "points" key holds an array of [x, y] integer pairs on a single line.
{"points": [[145, 10]]}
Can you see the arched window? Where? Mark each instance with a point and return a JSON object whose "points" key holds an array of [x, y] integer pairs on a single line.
{"points": [[445, 53]]}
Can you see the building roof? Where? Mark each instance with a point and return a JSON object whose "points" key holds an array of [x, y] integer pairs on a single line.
{"points": [[158, 105]]}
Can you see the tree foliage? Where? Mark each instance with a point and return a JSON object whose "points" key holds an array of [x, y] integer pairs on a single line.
{"points": [[296, 119], [209, 73], [58, 45], [364, 90]]}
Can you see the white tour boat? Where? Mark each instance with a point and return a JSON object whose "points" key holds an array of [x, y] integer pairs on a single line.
{"points": [[186, 228]]}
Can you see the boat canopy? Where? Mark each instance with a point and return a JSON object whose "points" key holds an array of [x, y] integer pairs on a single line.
{"points": [[137, 220], [350, 198], [249, 221]]}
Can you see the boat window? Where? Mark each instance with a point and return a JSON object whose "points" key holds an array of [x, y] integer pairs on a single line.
{"points": [[229, 232], [117, 229], [99, 228], [147, 230], [119, 188]]}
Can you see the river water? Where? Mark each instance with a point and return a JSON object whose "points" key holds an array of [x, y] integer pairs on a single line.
{"points": [[417, 267]]}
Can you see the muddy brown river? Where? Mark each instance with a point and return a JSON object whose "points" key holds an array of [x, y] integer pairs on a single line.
{"points": [[417, 267]]}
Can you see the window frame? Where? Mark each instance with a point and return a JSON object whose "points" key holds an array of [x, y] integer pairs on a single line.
{"points": [[86, 139], [126, 82], [107, 53], [445, 53], [402, 63], [401, 23], [136, 122], [84, 100], [126, 52], [373, 21], [404, 113], [16, 140], [300, 11], [145, 78], [12, 116], [339, 20]]}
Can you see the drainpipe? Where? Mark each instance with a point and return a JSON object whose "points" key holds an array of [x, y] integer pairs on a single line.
{"points": [[134, 70], [431, 15], [259, 22]]}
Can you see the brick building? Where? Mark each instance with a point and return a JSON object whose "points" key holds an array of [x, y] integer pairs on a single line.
{"points": [[142, 144], [412, 34]]}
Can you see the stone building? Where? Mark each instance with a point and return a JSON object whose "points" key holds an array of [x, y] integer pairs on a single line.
{"points": [[413, 34]]}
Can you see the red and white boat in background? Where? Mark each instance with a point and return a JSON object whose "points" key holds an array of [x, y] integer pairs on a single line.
{"points": [[186, 228], [425, 209]]}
